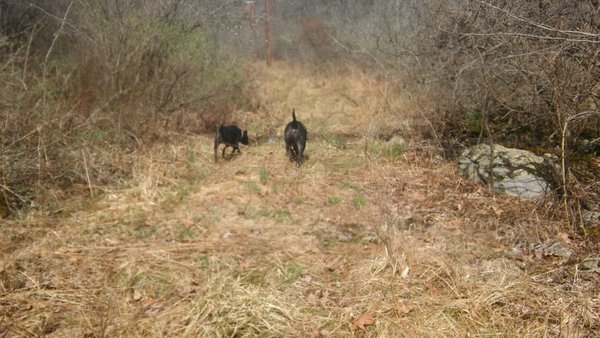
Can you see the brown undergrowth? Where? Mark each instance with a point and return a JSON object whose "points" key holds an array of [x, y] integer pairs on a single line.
{"points": [[257, 247]]}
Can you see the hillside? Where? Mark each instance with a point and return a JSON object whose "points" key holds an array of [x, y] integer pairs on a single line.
{"points": [[374, 235]]}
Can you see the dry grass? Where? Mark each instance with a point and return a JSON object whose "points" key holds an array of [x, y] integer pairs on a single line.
{"points": [[258, 247]]}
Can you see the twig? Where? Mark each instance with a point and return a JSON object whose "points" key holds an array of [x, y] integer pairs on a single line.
{"points": [[27, 57], [87, 173], [5, 188], [33, 5], [56, 35], [533, 36], [434, 132]]}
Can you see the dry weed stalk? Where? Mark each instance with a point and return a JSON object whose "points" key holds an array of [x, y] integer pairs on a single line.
{"points": [[395, 255], [565, 172]]}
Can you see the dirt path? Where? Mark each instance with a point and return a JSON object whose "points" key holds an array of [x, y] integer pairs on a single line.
{"points": [[366, 228]]}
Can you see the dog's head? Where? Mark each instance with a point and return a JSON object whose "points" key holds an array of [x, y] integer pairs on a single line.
{"points": [[244, 139]]}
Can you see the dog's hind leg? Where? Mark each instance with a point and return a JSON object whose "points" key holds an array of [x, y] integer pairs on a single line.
{"points": [[223, 153]]}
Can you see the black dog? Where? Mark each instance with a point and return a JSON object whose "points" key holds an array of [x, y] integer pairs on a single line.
{"points": [[295, 137], [231, 136]]}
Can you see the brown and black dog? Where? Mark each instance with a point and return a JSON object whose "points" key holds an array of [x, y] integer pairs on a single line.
{"points": [[231, 136]]}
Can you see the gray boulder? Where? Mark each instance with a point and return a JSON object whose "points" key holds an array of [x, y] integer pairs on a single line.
{"points": [[591, 217], [513, 171]]}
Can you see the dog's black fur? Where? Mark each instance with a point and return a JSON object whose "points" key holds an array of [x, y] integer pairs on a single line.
{"points": [[231, 136], [295, 136]]}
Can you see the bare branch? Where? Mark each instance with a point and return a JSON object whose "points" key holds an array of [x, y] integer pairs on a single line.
{"points": [[543, 26], [534, 36]]}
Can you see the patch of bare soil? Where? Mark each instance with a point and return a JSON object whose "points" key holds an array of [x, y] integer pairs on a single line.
{"points": [[369, 237]]}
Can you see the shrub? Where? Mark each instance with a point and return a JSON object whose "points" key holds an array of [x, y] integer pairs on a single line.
{"points": [[110, 78]]}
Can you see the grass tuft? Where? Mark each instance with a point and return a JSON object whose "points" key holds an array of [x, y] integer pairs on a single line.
{"points": [[264, 175], [359, 201], [333, 200]]}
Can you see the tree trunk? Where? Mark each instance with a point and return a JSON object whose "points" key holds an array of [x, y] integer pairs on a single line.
{"points": [[267, 33]]}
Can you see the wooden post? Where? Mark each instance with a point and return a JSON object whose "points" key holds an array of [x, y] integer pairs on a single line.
{"points": [[267, 33]]}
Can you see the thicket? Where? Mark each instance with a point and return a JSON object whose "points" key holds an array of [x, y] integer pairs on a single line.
{"points": [[515, 71], [85, 83], [522, 73]]}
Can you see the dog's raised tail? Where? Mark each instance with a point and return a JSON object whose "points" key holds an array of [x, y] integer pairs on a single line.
{"points": [[294, 122]]}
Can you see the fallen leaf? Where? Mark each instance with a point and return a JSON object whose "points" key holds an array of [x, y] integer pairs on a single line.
{"points": [[496, 249], [453, 224], [153, 308], [185, 291], [429, 239], [403, 310], [306, 278], [564, 237], [188, 222], [527, 258], [418, 196], [332, 265], [363, 321], [244, 265], [539, 254], [137, 295]]}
